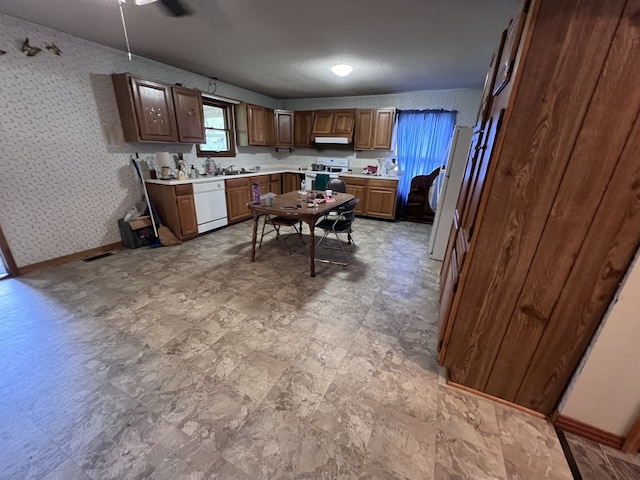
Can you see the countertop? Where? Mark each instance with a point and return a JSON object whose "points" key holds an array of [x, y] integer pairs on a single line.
{"points": [[263, 171]]}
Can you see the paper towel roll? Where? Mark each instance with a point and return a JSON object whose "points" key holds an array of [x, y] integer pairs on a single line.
{"points": [[164, 159]]}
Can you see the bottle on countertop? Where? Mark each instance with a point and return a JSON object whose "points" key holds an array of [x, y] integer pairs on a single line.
{"points": [[194, 172], [255, 191]]}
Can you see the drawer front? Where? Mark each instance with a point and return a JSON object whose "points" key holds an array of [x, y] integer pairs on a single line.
{"points": [[260, 179], [236, 182], [186, 189], [274, 177], [354, 180], [376, 183]]}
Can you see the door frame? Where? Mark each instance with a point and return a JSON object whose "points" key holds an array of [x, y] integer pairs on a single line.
{"points": [[632, 440], [10, 263]]}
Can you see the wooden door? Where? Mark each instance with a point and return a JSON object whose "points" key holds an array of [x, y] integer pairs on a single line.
{"points": [[464, 219], [284, 128], [381, 198], [358, 188], [364, 129], [344, 121], [270, 128], [383, 128], [263, 181], [291, 182], [260, 125], [238, 193], [323, 122], [275, 183], [303, 124], [189, 115], [187, 214], [154, 111]]}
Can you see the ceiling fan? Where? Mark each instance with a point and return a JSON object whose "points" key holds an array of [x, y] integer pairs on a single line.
{"points": [[173, 7]]}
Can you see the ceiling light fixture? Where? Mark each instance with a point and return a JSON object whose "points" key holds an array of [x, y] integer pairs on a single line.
{"points": [[342, 69]]}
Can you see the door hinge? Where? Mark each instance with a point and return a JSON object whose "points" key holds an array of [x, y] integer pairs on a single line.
{"points": [[440, 345]]}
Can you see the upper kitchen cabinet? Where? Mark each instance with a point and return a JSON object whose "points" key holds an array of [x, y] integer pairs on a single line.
{"points": [[284, 121], [255, 125], [189, 115], [529, 274], [374, 129], [303, 125], [333, 126], [148, 111]]}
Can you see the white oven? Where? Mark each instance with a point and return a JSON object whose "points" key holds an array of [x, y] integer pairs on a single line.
{"points": [[211, 205], [328, 166]]}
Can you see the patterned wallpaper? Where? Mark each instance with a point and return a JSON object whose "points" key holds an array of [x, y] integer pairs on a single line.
{"points": [[67, 175]]}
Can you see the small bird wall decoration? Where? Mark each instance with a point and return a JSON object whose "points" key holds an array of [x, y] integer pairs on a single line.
{"points": [[53, 49], [2, 52], [28, 49]]}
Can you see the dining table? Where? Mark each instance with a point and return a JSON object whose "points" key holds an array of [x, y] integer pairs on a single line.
{"points": [[307, 206]]}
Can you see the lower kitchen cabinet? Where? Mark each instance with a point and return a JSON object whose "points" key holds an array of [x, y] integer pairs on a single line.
{"points": [[377, 196], [291, 182], [358, 188], [381, 198], [275, 183], [176, 208], [238, 192]]}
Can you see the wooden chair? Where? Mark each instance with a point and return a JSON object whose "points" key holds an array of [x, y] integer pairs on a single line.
{"points": [[418, 208], [280, 221]]}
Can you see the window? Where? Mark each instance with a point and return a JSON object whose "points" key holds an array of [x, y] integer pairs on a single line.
{"points": [[219, 130]]}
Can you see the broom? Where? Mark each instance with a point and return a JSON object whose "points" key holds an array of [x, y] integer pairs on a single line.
{"points": [[164, 235]]}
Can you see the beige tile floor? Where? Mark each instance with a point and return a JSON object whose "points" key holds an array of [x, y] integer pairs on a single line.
{"points": [[192, 362]]}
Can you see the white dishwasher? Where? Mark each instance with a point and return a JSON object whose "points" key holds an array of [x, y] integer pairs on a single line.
{"points": [[211, 205]]}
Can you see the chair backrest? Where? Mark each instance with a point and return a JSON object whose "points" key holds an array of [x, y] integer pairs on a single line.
{"points": [[337, 185], [347, 211]]}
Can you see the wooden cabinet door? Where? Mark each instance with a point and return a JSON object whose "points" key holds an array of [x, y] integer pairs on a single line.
{"points": [[381, 202], [189, 115], [358, 191], [464, 218], [187, 214], [303, 124], [323, 122], [470, 211], [448, 288], [364, 129], [263, 181], [383, 128], [238, 193], [270, 128], [275, 183], [154, 111], [284, 128], [260, 124], [291, 182], [344, 121]]}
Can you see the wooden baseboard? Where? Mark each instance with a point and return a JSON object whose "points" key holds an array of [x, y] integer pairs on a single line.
{"points": [[496, 399], [589, 432], [69, 258]]}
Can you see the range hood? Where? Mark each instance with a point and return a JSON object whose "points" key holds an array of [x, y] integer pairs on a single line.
{"points": [[333, 140]]}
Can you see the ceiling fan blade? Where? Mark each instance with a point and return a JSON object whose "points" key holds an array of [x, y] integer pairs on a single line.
{"points": [[176, 8]]}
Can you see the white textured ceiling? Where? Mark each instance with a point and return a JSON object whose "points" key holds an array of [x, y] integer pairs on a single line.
{"points": [[284, 48]]}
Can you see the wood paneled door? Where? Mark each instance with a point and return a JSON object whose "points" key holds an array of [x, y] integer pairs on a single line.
{"points": [[548, 218]]}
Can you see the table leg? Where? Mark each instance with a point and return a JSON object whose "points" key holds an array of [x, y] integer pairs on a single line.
{"points": [[312, 248], [256, 217]]}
